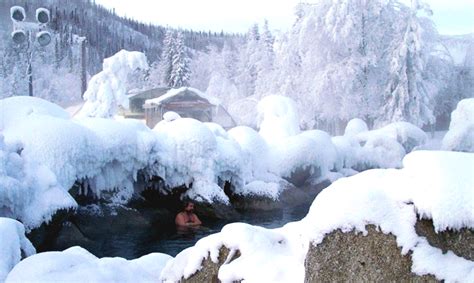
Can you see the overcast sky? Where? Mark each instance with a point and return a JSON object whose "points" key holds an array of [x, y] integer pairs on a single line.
{"points": [[450, 16]]}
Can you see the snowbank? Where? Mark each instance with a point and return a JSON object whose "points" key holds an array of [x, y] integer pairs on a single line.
{"points": [[107, 90], [435, 185], [78, 265], [460, 136], [12, 245]]}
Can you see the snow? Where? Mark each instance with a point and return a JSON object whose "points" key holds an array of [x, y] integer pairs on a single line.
{"points": [[180, 91], [278, 118], [408, 135], [460, 136], [29, 192], [107, 90], [255, 152], [436, 185], [170, 116], [12, 245], [193, 149], [76, 264], [355, 126], [17, 9]]}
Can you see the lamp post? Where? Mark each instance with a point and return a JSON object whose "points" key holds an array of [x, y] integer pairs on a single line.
{"points": [[30, 35]]}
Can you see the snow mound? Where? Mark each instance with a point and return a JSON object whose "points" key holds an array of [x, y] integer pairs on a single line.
{"points": [[460, 136], [107, 90], [269, 190], [76, 264], [278, 118], [355, 126], [12, 245], [435, 185]]}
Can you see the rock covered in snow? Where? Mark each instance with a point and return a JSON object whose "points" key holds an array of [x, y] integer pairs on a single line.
{"points": [[107, 90], [460, 136], [77, 264], [13, 245]]}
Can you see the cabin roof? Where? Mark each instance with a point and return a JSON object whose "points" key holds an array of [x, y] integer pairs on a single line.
{"points": [[181, 95], [149, 94]]}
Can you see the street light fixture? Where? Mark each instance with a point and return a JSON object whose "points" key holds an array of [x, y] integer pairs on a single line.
{"points": [[30, 32]]}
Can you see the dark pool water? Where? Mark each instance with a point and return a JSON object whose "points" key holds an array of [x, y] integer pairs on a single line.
{"points": [[134, 244]]}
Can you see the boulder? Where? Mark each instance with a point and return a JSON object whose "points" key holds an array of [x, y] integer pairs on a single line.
{"points": [[459, 242], [209, 269], [343, 257]]}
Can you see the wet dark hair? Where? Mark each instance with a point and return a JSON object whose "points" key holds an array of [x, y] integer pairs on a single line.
{"points": [[186, 203]]}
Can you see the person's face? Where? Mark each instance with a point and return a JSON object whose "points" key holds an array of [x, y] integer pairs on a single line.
{"points": [[189, 207]]}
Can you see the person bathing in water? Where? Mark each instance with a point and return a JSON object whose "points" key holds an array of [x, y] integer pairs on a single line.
{"points": [[187, 217]]}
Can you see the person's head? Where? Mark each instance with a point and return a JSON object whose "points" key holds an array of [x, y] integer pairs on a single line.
{"points": [[189, 206]]}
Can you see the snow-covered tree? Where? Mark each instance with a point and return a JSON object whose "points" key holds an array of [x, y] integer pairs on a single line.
{"points": [[265, 62], [180, 71], [407, 97]]}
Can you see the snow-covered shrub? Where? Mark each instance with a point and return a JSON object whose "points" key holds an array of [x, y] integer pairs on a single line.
{"points": [[460, 136], [12, 245], [76, 264], [107, 90], [355, 126], [278, 118]]}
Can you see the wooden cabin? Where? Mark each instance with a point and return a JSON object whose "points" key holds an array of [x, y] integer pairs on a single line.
{"points": [[188, 103], [137, 100]]}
